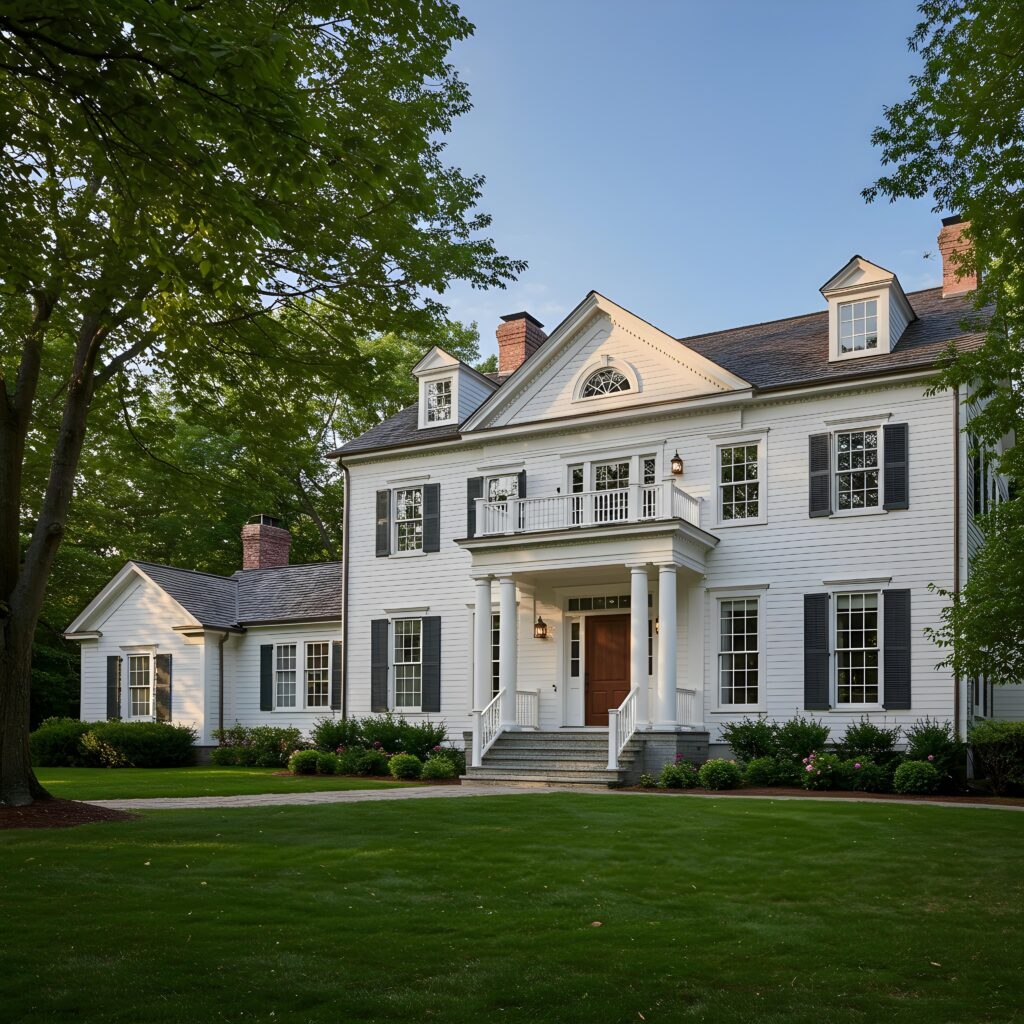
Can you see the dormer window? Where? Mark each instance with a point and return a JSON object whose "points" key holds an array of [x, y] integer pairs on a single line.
{"points": [[858, 326], [605, 382], [439, 400]]}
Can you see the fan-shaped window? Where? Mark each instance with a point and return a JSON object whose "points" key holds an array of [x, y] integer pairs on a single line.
{"points": [[605, 382]]}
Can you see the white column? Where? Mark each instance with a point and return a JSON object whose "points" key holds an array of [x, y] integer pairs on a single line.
{"points": [[507, 640], [666, 714], [638, 640], [482, 644]]}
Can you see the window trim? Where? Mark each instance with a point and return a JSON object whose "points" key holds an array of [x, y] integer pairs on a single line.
{"points": [[297, 706], [301, 705], [436, 382], [758, 592], [857, 427], [883, 295], [448, 373], [326, 706], [394, 663], [606, 362], [720, 441], [409, 552], [834, 596], [852, 301], [126, 684]]}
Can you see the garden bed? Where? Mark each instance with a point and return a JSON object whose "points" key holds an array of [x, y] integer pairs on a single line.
{"points": [[57, 813], [839, 794]]}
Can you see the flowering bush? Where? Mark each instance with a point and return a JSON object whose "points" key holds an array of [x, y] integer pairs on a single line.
{"points": [[720, 774], [648, 781], [867, 777], [437, 768], [822, 771], [260, 746], [800, 737], [405, 766], [303, 762], [455, 757], [678, 775], [916, 777], [371, 762], [762, 771], [935, 742]]}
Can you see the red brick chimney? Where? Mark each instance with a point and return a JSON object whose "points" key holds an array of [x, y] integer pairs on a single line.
{"points": [[951, 241], [265, 543], [519, 336]]}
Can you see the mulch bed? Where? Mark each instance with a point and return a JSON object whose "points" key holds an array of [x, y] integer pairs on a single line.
{"points": [[976, 798], [57, 813]]}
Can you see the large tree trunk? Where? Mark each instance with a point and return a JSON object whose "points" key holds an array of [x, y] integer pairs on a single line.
{"points": [[18, 783]]}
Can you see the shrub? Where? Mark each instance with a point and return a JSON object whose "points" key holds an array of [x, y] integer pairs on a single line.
{"points": [[999, 753], [456, 757], [385, 732], [720, 774], [800, 737], [304, 762], [648, 781], [680, 775], [935, 742], [326, 763], [405, 766], [331, 733], [866, 741], [788, 772], [761, 771], [99, 753], [261, 746], [437, 768], [140, 744], [224, 756], [751, 738], [372, 762], [822, 771], [916, 777], [350, 761], [57, 743]]}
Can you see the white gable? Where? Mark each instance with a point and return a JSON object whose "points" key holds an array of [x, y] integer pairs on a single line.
{"points": [[598, 335]]}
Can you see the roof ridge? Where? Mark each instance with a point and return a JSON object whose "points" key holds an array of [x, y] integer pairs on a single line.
{"points": [[274, 568], [181, 568]]}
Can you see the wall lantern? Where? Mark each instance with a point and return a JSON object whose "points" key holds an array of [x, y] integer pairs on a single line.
{"points": [[540, 629], [677, 464]]}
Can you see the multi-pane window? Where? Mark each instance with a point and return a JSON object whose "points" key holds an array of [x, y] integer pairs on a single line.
{"points": [[318, 675], [738, 653], [858, 326], [576, 487], [495, 653], [650, 647], [611, 476], [439, 401], [502, 488], [140, 691], [408, 663], [605, 382], [409, 519], [649, 478], [857, 649], [739, 488], [574, 648], [285, 675], [857, 469]]}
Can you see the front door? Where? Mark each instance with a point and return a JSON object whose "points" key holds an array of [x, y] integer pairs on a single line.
{"points": [[607, 661]]}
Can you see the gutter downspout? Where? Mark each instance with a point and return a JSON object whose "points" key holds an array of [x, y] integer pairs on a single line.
{"points": [[344, 590], [220, 685], [956, 541]]}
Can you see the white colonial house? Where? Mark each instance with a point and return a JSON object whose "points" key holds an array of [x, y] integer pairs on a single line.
{"points": [[260, 647], [624, 540]]}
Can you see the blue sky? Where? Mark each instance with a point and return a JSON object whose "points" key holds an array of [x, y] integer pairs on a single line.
{"points": [[699, 163]]}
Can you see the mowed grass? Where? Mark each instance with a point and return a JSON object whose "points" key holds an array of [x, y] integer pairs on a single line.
{"points": [[487, 909], [126, 783]]}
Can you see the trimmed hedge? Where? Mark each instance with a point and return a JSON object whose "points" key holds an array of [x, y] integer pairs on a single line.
{"points": [[69, 743], [390, 733], [259, 746], [916, 777], [57, 743], [405, 766], [999, 754]]}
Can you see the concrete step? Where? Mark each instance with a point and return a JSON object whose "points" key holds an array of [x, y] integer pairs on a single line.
{"points": [[541, 776], [550, 750]]}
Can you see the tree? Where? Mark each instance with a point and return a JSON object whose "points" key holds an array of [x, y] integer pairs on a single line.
{"points": [[959, 138], [170, 175]]}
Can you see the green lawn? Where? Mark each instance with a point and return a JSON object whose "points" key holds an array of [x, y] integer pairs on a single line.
{"points": [[482, 909], [124, 783]]}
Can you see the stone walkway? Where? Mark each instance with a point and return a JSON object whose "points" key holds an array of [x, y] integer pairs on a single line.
{"points": [[357, 796]]}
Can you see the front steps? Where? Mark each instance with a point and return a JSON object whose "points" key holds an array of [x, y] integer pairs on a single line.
{"points": [[561, 757]]}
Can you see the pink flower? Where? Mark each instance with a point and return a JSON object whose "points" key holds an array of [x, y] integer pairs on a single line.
{"points": [[810, 768], [805, 760], [856, 764], [931, 757]]}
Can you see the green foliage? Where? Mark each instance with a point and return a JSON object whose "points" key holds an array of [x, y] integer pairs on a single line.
{"points": [[57, 743], [648, 781], [138, 745], [999, 754], [822, 771], [259, 746], [436, 768], [864, 740], [788, 772], [916, 777], [304, 762], [680, 775], [867, 777], [935, 742], [405, 766], [761, 771], [226, 757], [370, 762], [333, 733], [751, 738], [453, 755], [800, 737], [720, 774], [327, 763]]}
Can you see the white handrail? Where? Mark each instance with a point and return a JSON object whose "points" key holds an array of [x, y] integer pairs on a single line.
{"points": [[486, 728], [686, 706], [621, 726], [528, 709]]}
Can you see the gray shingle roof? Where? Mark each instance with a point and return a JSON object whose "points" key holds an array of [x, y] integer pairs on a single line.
{"points": [[290, 593], [780, 353]]}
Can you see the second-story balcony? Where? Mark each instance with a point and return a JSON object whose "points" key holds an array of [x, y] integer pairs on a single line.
{"points": [[639, 503]]}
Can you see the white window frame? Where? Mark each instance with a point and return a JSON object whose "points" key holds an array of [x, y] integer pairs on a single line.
{"points": [[840, 306], [127, 685], [433, 383], [395, 521], [606, 362], [405, 709], [883, 297], [278, 706], [742, 594], [449, 374], [746, 440], [834, 649], [495, 637], [856, 428], [326, 705]]}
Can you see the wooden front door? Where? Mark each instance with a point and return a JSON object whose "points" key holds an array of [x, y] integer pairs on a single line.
{"points": [[607, 661]]}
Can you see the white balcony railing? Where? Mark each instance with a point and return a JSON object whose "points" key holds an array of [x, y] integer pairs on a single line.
{"points": [[686, 707], [621, 726], [528, 709], [635, 504]]}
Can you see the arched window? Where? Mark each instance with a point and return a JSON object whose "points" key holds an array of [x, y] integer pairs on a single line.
{"points": [[606, 381]]}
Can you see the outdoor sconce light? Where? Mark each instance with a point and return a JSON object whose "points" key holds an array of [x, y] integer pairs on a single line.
{"points": [[677, 464], [657, 626], [540, 629]]}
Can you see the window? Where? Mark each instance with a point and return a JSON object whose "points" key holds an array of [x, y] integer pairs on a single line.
{"points": [[739, 487], [501, 488], [608, 602], [858, 326], [439, 401], [409, 519], [318, 675], [574, 648], [649, 477], [140, 692], [856, 469], [284, 676], [738, 652], [606, 381], [857, 649], [408, 663], [650, 647], [614, 477], [495, 654]]}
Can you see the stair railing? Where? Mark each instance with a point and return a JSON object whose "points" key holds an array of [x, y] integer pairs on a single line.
{"points": [[486, 728], [621, 726]]}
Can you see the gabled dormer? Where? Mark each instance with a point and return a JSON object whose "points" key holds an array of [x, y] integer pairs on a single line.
{"points": [[449, 390], [867, 311]]}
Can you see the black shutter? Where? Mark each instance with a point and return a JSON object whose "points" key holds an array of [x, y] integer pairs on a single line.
{"points": [[474, 490], [163, 687], [266, 677], [896, 660], [383, 524], [896, 452], [113, 686], [379, 665], [336, 675], [819, 461], [431, 658], [431, 517], [816, 633], [522, 483]]}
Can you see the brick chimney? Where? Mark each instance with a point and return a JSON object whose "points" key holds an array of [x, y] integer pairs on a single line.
{"points": [[265, 543], [519, 336], [951, 241]]}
